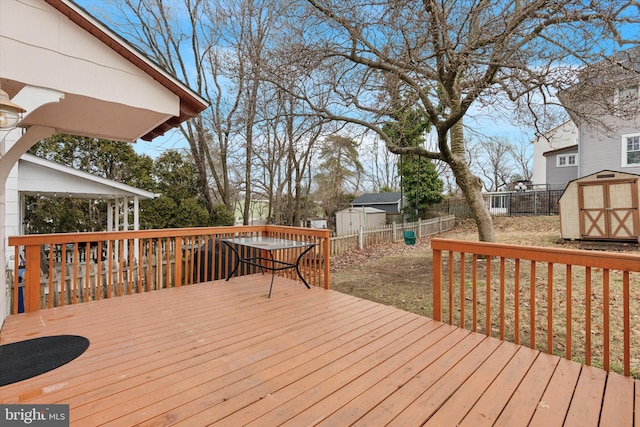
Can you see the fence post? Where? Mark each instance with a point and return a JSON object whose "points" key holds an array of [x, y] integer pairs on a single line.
{"points": [[395, 231], [361, 237]]}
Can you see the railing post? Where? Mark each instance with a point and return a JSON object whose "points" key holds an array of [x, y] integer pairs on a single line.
{"points": [[32, 278], [437, 285]]}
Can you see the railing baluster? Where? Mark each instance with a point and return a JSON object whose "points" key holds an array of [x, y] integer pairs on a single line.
{"points": [[140, 267], [451, 261], [16, 280], [474, 291], [627, 323], [488, 298], [110, 255], [502, 297], [605, 316], [63, 274], [516, 297], [437, 285], [130, 262], [550, 308], [462, 286], [99, 283], [87, 271], [76, 262], [52, 290], [569, 295], [587, 311], [532, 306]]}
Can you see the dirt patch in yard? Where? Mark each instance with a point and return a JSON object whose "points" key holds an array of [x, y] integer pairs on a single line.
{"points": [[395, 274], [401, 276]]}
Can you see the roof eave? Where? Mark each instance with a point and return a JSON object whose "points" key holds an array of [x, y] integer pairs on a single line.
{"points": [[191, 104]]}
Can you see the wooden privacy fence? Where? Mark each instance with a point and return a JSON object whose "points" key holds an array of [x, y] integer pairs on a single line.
{"points": [[578, 302], [61, 269], [390, 233]]}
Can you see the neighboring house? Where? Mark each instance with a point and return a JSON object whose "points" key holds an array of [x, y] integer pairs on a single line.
{"points": [[390, 202], [546, 148], [604, 104], [561, 166]]}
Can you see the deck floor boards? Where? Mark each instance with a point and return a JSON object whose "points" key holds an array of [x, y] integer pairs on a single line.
{"points": [[221, 353]]}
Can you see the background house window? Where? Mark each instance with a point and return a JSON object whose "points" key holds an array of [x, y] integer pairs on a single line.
{"points": [[630, 150], [563, 160]]}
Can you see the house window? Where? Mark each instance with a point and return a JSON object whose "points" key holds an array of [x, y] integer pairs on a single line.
{"points": [[563, 160], [631, 150], [498, 201]]}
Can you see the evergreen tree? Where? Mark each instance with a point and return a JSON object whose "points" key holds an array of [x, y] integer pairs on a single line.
{"points": [[421, 185]]}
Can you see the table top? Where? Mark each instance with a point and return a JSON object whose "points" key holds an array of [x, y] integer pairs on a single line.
{"points": [[268, 243]]}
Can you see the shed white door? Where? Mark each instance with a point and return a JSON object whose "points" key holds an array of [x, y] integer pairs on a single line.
{"points": [[609, 209]]}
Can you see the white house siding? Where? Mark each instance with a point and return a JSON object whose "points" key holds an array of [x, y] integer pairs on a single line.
{"points": [[600, 149], [564, 135]]}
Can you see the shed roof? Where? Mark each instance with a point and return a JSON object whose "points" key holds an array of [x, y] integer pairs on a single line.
{"points": [[363, 209], [377, 198]]}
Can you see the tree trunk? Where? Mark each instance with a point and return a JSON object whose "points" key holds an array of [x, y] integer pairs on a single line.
{"points": [[470, 185]]}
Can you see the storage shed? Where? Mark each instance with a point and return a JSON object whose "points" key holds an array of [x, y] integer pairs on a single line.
{"points": [[348, 221], [601, 206]]}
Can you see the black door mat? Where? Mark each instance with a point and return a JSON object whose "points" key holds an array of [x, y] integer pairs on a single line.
{"points": [[26, 359]]}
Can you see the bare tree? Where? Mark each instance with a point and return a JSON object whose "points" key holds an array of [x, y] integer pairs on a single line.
{"points": [[286, 155], [522, 155], [444, 57], [493, 162], [379, 164], [217, 48], [174, 36]]}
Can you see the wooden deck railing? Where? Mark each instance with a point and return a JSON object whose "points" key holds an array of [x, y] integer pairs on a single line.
{"points": [[579, 301], [61, 269]]}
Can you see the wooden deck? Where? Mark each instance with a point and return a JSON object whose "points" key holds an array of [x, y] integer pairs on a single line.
{"points": [[222, 353]]}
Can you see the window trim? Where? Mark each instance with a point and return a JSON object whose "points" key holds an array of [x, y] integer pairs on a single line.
{"points": [[566, 156], [623, 149]]}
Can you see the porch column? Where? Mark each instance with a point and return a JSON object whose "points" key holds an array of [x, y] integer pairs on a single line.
{"points": [[109, 216]]}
